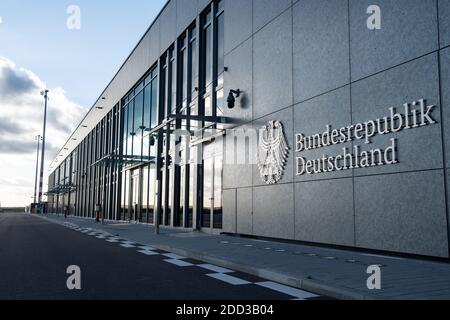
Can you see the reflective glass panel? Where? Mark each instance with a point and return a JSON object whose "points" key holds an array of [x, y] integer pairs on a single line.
{"points": [[147, 106], [154, 92], [217, 207]]}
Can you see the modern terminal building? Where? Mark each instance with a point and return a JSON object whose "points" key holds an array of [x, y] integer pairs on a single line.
{"points": [[318, 121]]}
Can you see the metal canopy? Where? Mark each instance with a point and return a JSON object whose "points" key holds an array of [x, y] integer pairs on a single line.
{"points": [[123, 159], [171, 118], [61, 189], [216, 119], [133, 160], [158, 128]]}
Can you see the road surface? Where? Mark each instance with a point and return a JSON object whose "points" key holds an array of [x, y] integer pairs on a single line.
{"points": [[35, 254]]}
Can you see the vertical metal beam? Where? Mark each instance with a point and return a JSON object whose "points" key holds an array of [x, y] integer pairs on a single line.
{"points": [[41, 178], [214, 42], [160, 113], [197, 168], [37, 168]]}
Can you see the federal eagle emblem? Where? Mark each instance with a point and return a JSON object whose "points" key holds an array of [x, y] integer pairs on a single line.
{"points": [[272, 152]]}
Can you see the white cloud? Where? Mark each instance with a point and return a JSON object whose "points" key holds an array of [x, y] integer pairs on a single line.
{"points": [[21, 116]]}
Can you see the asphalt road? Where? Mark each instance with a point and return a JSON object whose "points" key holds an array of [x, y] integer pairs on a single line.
{"points": [[35, 255]]}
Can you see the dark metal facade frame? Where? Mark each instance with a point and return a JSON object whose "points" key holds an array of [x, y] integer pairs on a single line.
{"points": [[97, 164]]}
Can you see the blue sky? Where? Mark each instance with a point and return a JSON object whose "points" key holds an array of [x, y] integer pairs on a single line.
{"points": [[33, 34], [38, 51]]}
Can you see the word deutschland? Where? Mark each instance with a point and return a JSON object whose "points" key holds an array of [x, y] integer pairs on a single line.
{"points": [[347, 160], [414, 115]]}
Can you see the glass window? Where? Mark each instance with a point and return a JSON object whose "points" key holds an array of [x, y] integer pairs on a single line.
{"points": [[220, 47], [123, 199], [208, 17], [139, 87], [148, 78], [183, 70], [125, 128], [220, 100], [145, 193], [131, 95], [163, 194], [74, 166], [219, 6], [217, 202], [191, 193], [146, 147], [131, 131], [193, 61], [172, 86], [130, 117], [207, 192], [194, 112], [147, 106], [208, 106], [154, 92], [208, 55], [138, 104], [170, 186], [184, 121], [182, 189], [152, 194], [162, 93], [146, 122]]}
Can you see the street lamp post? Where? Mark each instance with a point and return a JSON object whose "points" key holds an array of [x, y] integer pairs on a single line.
{"points": [[41, 178], [37, 168]]}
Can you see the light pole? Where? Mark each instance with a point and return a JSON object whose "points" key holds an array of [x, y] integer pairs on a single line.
{"points": [[41, 178], [37, 168]]}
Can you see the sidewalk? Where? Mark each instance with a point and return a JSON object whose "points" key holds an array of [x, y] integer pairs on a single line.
{"points": [[336, 273]]}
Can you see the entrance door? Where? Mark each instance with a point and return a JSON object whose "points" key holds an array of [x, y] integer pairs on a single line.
{"points": [[207, 192], [148, 193], [217, 209], [135, 195], [212, 189]]}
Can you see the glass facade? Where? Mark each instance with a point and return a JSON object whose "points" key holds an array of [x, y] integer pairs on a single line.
{"points": [[138, 160]]}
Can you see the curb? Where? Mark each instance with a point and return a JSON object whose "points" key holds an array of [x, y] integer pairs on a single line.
{"points": [[311, 285]]}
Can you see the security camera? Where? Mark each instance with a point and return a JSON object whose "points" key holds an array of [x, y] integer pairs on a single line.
{"points": [[231, 100]]}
